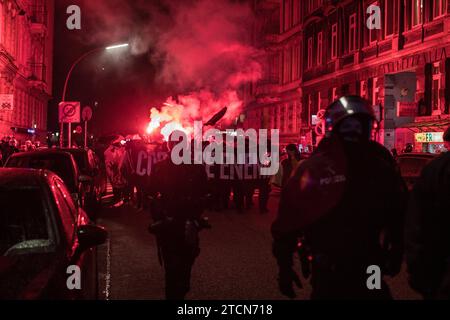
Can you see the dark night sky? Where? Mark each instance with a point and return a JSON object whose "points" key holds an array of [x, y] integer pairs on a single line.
{"points": [[121, 83], [177, 47]]}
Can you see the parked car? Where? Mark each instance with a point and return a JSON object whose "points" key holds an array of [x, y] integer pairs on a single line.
{"points": [[92, 175], [42, 234], [411, 165], [60, 162]]}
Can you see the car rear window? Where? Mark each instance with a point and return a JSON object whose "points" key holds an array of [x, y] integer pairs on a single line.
{"points": [[23, 223], [59, 164]]}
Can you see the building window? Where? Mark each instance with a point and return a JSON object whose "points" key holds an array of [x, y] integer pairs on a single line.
{"points": [[334, 41], [436, 87], [416, 12], [310, 52], [288, 65], [389, 18], [1, 22], [287, 14], [319, 48], [352, 33], [310, 5], [439, 8], [363, 89], [296, 13], [375, 91], [294, 63], [310, 108], [313, 5]]}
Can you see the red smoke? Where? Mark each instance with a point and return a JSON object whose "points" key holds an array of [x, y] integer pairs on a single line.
{"points": [[208, 46], [198, 46], [180, 114]]}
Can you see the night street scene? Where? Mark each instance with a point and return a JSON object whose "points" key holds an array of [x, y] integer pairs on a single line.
{"points": [[199, 151]]}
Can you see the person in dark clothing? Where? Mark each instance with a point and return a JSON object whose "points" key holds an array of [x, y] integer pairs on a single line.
{"points": [[5, 147], [427, 231], [291, 163], [9, 147], [408, 148], [178, 193], [394, 154], [264, 194], [342, 200]]}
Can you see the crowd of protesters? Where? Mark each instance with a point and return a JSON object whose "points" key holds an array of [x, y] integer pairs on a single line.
{"points": [[10, 145]]}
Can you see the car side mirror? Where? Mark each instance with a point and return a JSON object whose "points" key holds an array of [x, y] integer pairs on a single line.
{"points": [[84, 178], [90, 236]]}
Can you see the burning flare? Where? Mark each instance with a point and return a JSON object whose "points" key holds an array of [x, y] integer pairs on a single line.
{"points": [[181, 114]]}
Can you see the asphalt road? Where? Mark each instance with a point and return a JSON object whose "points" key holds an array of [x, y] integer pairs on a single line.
{"points": [[235, 260]]}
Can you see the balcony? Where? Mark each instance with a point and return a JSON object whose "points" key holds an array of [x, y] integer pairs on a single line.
{"points": [[413, 37], [38, 18], [347, 60], [318, 71], [369, 52]]}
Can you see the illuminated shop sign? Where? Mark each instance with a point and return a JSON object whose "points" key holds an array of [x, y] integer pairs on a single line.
{"points": [[424, 137]]}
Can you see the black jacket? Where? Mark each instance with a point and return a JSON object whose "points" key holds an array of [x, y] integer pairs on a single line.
{"points": [[343, 198], [427, 232], [181, 188]]}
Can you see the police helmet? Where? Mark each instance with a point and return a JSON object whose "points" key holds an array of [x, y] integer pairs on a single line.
{"points": [[344, 107]]}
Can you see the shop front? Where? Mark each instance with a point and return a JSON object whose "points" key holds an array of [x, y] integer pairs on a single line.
{"points": [[426, 135]]}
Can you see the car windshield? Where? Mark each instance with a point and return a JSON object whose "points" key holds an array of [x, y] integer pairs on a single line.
{"points": [[23, 223], [59, 164], [412, 167]]}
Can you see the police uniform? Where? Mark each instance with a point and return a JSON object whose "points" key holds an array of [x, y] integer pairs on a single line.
{"points": [[428, 231], [343, 199], [179, 192]]}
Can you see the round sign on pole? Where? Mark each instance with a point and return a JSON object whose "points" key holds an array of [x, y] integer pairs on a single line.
{"points": [[69, 112], [87, 113], [79, 129]]}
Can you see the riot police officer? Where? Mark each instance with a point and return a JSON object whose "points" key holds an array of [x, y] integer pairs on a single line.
{"points": [[427, 229], [178, 194], [347, 201]]}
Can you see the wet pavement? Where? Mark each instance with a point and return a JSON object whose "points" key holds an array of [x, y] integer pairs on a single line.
{"points": [[235, 260]]}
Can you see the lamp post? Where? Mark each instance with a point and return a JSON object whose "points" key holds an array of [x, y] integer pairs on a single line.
{"points": [[66, 83]]}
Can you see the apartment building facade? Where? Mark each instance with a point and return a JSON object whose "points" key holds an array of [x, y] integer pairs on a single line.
{"points": [[402, 67], [26, 46]]}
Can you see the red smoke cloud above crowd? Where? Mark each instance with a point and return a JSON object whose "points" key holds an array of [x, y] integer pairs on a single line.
{"points": [[201, 49]]}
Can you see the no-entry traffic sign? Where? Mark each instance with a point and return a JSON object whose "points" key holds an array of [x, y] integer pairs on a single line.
{"points": [[69, 112]]}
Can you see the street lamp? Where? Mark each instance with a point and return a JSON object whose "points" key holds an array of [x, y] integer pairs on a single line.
{"points": [[113, 47]]}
